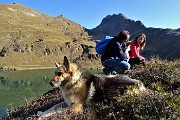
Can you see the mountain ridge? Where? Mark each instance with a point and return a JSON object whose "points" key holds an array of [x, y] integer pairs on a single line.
{"points": [[30, 38], [159, 41]]}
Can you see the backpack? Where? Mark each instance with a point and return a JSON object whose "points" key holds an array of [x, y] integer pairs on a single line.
{"points": [[101, 46]]}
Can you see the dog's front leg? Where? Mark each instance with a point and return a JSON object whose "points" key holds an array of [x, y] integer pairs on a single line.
{"points": [[52, 113], [140, 84], [55, 107]]}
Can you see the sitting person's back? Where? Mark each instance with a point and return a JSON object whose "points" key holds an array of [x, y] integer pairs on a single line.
{"points": [[114, 49], [115, 59]]}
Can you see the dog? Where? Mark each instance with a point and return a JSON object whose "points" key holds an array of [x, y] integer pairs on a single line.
{"points": [[79, 88]]}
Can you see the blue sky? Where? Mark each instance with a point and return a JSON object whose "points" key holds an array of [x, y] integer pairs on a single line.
{"points": [[89, 13]]}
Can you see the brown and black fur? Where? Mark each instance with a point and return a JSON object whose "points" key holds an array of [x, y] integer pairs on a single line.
{"points": [[79, 88]]}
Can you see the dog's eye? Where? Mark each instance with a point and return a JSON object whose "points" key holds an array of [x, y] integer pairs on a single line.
{"points": [[58, 73]]}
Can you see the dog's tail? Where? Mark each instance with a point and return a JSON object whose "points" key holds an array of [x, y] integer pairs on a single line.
{"points": [[110, 86]]}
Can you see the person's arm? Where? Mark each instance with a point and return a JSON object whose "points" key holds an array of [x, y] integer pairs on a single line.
{"points": [[127, 51], [121, 54], [135, 52], [142, 58]]}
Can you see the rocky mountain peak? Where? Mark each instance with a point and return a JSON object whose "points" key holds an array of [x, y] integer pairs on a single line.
{"points": [[119, 16], [112, 24]]}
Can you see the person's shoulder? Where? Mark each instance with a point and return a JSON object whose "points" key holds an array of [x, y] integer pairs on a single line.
{"points": [[112, 41], [132, 43]]}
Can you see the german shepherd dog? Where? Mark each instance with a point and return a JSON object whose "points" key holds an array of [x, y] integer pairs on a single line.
{"points": [[79, 88]]}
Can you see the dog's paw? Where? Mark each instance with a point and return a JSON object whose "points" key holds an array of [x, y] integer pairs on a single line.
{"points": [[40, 113], [142, 88], [41, 118]]}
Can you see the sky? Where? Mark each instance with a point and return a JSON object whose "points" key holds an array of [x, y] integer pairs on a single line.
{"points": [[89, 13]]}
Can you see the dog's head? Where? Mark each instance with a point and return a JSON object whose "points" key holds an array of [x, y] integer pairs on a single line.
{"points": [[65, 74]]}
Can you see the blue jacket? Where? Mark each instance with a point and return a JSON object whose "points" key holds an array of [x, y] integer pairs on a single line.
{"points": [[114, 49]]}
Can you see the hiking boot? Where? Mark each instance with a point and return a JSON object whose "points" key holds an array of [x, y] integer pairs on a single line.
{"points": [[114, 73], [121, 71], [106, 71]]}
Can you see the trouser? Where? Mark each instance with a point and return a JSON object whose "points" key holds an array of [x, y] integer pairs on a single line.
{"points": [[115, 65], [135, 61]]}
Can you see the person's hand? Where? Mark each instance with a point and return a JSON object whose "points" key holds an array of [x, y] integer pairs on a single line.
{"points": [[144, 62], [130, 52], [127, 51]]}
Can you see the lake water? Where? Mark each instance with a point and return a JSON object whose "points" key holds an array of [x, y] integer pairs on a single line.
{"points": [[3, 112], [19, 87]]}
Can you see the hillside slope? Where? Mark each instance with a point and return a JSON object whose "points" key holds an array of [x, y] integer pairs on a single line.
{"points": [[32, 39]]}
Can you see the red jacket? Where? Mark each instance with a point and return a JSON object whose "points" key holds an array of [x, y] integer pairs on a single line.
{"points": [[135, 51]]}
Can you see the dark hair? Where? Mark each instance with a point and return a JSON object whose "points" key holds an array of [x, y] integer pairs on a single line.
{"points": [[142, 45], [123, 35]]}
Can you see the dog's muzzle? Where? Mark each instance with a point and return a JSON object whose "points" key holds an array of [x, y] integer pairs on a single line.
{"points": [[51, 83]]}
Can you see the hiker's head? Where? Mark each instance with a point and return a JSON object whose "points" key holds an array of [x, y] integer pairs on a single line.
{"points": [[140, 40], [123, 36]]}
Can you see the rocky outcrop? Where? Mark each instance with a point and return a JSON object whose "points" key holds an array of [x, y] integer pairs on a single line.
{"points": [[3, 52]]}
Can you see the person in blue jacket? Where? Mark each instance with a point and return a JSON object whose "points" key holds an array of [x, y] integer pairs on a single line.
{"points": [[115, 59]]}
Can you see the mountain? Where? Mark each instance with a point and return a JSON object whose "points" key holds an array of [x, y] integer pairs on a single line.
{"points": [[163, 43], [29, 38]]}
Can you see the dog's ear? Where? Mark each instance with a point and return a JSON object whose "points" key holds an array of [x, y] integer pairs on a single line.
{"points": [[57, 64], [66, 63]]}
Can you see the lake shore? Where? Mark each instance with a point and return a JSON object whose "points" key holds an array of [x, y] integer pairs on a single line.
{"points": [[23, 68], [19, 68]]}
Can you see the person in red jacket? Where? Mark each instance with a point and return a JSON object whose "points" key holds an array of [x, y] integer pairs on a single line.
{"points": [[135, 46]]}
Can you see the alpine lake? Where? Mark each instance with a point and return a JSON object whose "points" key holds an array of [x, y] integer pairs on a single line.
{"points": [[22, 86]]}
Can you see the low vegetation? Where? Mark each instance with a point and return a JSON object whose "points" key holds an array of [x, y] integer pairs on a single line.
{"points": [[161, 101]]}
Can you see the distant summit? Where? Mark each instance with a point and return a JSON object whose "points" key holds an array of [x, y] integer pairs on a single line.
{"points": [[159, 41], [112, 24]]}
